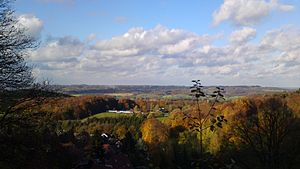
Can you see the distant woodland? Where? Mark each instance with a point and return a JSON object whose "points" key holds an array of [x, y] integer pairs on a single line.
{"points": [[260, 131]]}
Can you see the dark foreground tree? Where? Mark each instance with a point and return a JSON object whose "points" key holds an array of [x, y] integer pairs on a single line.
{"points": [[15, 74], [267, 131], [14, 47], [27, 140]]}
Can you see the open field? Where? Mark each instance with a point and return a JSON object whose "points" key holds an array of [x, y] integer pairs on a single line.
{"points": [[115, 115], [161, 119], [76, 95], [119, 94], [106, 114]]}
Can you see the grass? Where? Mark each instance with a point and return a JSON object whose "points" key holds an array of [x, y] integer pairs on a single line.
{"points": [[116, 115], [177, 96], [119, 94], [106, 114], [161, 119], [76, 95]]}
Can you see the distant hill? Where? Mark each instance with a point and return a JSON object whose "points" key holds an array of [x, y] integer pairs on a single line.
{"points": [[160, 91]]}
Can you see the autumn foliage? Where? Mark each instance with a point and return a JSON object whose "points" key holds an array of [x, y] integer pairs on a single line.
{"points": [[69, 108], [259, 128]]}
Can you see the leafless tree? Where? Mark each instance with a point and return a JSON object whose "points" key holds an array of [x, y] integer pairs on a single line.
{"points": [[15, 73], [14, 47]]}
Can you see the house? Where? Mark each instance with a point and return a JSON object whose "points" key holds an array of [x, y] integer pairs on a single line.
{"points": [[121, 111]]}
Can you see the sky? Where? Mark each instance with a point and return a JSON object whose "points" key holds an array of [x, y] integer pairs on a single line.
{"points": [[164, 42]]}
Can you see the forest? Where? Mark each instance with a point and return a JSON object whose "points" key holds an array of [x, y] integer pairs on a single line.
{"points": [[52, 131]]}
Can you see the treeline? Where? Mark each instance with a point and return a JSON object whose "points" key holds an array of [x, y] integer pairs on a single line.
{"points": [[71, 108]]}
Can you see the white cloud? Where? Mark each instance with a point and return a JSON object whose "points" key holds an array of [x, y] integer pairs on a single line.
{"points": [[91, 37], [159, 40], [181, 46], [247, 12], [32, 24], [59, 50], [285, 38], [242, 35], [161, 55]]}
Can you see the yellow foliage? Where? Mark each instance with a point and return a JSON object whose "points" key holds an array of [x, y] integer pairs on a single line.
{"points": [[176, 119], [154, 132], [121, 131]]}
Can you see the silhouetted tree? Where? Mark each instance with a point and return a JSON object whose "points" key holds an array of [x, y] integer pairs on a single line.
{"points": [[266, 130], [198, 122], [14, 45], [15, 74]]}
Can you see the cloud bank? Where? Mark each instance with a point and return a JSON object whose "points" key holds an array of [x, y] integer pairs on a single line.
{"points": [[33, 25], [174, 56], [247, 12]]}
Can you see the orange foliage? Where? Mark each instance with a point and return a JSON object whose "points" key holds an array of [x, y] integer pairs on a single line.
{"points": [[293, 101], [65, 108]]}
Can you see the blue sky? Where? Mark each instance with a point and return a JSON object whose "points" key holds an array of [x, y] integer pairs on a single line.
{"points": [[111, 18], [230, 42]]}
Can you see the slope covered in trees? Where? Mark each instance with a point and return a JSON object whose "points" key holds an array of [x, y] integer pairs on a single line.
{"points": [[261, 132], [70, 108]]}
